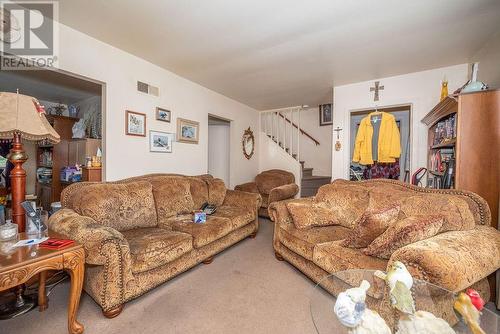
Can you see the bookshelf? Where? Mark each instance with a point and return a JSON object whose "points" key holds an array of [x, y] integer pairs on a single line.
{"points": [[53, 158], [466, 128]]}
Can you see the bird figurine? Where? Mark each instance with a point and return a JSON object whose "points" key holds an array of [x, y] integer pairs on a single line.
{"points": [[400, 282], [350, 305], [423, 322], [476, 299], [464, 306], [371, 323]]}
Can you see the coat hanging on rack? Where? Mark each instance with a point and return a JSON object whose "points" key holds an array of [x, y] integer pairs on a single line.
{"points": [[387, 144]]}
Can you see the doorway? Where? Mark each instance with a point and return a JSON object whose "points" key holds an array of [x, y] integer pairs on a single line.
{"points": [[219, 135], [68, 99], [402, 167]]}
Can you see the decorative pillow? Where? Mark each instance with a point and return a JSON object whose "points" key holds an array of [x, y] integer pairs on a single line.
{"points": [[120, 206], [404, 232], [455, 210], [347, 200], [172, 197], [373, 223], [216, 191], [307, 215]]}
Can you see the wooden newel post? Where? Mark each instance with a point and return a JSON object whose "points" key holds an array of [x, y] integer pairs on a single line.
{"points": [[18, 181]]}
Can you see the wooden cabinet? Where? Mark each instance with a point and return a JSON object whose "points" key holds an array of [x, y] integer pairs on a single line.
{"points": [[92, 174], [476, 145], [51, 192], [79, 149]]}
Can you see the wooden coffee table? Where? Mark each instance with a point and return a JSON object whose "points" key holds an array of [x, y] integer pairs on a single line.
{"points": [[23, 263]]}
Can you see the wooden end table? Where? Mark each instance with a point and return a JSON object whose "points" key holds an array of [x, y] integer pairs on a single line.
{"points": [[23, 263]]}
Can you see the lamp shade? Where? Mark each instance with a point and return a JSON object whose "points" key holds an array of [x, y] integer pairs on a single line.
{"points": [[24, 114]]}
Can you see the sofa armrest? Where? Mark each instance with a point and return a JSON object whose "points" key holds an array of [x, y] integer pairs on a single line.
{"points": [[283, 192], [93, 236], [249, 187], [453, 260], [279, 213], [242, 199]]}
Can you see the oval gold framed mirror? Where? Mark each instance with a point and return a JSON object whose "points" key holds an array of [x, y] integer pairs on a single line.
{"points": [[248, 143]]}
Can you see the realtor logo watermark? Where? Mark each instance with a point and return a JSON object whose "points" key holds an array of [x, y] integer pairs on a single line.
{"points": [[29, 34]]}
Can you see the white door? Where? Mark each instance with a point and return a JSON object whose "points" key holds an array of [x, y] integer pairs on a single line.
{"points": [[218, 150]]}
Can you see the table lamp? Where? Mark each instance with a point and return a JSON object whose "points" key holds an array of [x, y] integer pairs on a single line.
{"points": [[22, 117]]}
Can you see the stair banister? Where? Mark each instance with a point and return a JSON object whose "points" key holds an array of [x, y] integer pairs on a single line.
{"points": [[298, 135]]}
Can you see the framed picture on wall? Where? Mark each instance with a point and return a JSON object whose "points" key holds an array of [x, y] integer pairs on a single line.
{"points": [[163, 115], [188, 131], [135, 124], [325, 114], [160, 141]]}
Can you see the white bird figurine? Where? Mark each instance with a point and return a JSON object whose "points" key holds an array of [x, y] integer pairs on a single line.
{"points": [[423, 322], [350, 305], [399, 280], [371, 323]]}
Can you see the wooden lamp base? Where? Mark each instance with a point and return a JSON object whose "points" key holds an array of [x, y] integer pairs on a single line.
{"points": [[18, 157]]}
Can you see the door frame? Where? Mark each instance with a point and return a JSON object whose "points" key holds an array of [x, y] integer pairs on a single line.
{"points": [[229, 124], [388, 109]]}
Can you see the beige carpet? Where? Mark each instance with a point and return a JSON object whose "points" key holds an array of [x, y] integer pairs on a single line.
{"points": [[245, 290]]}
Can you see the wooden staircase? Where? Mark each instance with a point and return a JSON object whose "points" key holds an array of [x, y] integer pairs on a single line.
{"points": [[281, 127], [311, 183]]}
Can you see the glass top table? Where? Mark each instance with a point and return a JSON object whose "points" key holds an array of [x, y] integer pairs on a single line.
{"points": [[427, 297]]}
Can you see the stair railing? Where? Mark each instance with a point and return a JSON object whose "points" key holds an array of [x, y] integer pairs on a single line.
{"points": [[282, 125]]}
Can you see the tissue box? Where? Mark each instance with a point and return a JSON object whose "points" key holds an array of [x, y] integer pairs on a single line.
{"points": [[200, 217]]}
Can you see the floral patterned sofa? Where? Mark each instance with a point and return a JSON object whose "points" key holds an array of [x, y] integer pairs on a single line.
{"points": [[460, 254], [138, 232]]}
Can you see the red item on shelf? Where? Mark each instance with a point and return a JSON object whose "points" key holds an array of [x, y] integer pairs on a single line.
{"points": [[475, 298], [55, 243]]}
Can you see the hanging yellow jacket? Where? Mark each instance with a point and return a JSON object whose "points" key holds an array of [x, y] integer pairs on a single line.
{"points": [[389, 142]]}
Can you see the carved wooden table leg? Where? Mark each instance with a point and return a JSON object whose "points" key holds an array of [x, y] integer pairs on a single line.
{"points": [[42, 294], [74, 265]]}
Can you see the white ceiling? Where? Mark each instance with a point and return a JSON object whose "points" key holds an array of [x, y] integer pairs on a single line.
{"points": [[275, 53]]}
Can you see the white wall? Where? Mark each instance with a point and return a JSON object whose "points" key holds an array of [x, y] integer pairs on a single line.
{"points": [[489, 62], [127, 155], [219, 151], [421, 90], [319, 157], [271, 156]]}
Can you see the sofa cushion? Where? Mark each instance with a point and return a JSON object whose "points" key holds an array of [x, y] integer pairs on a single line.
{"points": [[239, 217], [373, 224], [203, 234], [265, 201], [153, 247], [347, 201], [455, 210], [333, 257], [199, 191], [306, 215], [404, 232], [172, 196], [120, 206], [216, 191], [302, 242]]}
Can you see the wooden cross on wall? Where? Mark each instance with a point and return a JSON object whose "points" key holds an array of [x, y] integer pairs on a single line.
{"points": [[376, 89]]}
